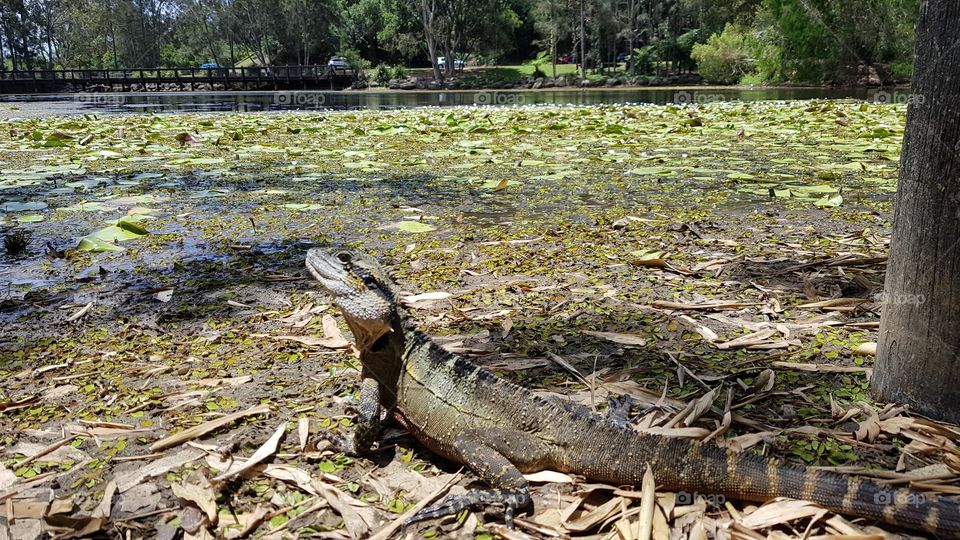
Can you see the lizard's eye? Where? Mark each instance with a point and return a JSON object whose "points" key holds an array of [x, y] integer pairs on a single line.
{"points": [[344, 257]]}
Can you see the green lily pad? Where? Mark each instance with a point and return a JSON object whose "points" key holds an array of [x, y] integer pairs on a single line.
{"points": [[96, 245], [106, 239], [829, 201], [647, 171], [415, 227], [646, 254], [30, 218]]}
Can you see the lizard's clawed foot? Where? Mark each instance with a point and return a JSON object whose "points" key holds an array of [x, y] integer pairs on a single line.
{"points": [[340, 443], [511, 499], [618, 411]]}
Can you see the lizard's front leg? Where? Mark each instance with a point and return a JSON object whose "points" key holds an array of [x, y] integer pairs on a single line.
{"points": [[510, 488], [367, 424]]}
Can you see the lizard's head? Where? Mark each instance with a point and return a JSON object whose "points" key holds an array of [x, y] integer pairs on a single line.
{"points": [[360, 287]]}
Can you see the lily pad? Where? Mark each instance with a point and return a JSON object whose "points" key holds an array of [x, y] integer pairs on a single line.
{"points": [[648, 171], [22, 206], [106, 239], [415, 227], [829, 201]]}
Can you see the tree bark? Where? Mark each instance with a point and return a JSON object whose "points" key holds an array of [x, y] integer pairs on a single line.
{"points": [[427, 10], [918, 356], [583, 41]]}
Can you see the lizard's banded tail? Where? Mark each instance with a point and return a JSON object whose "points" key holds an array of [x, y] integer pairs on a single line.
{"points": [[755, 478], [859, 496], [709, 469]]}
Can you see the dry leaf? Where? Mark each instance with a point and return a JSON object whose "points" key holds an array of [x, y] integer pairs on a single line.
{"points": [[266, 450], [358, 517], [303, 432], [749, 340], [549, 477], [663, 304], [106, 503], [616, 337], [870, 428], [200, 492], [701, 406], [647, 504], [23, 509], [589, 520], [823, 368], [780, 512], [426, 297], [206, 427], [332, 336], [833, 302]]}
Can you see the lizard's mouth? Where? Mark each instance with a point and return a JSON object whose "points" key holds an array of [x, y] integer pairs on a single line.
{"points": [[329, 268]]}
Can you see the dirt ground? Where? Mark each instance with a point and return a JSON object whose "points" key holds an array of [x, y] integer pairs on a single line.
{"points": [[167, 366]]}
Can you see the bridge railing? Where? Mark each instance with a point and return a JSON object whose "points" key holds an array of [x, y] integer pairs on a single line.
{"points": [[133, 75]]}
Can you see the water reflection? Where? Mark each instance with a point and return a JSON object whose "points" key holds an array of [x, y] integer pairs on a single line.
{"points": [[151, 102]]}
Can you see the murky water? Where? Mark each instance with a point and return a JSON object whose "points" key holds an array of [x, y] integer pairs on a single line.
{"points": [[151, 102]]}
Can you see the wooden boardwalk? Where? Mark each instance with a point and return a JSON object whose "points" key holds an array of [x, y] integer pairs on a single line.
{"points": [[174, 79]]}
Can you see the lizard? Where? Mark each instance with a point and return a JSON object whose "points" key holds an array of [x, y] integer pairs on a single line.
{"points": [[501, 430]]}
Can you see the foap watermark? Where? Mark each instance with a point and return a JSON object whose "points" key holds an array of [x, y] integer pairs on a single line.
{"points": [[895, 98], [899, 498], [685, 498], [499, 98], [93, 98], [299, 99], [899, 299], [686, 97]]}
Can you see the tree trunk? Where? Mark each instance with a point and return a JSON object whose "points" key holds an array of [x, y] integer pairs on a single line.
{"points": [[918, 357], [553, 51], [448, 54], [583, 41], [427, 10]]}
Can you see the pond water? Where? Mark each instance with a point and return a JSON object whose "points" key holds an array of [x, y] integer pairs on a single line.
{"points": [[151, 102]]}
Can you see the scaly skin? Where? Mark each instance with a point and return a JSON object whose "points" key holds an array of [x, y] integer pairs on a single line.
{"points": [[501, 430]]}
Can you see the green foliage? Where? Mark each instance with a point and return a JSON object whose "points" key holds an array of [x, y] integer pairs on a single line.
{"points": [[901, 69], [541, 60], [383, 74], [357, 63], [724, 58], [400, 73], [823, 38], [642, 60], [763, 42]]}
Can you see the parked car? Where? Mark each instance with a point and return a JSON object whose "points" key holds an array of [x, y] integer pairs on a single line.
{"points": [[210, 65], [338, 62], [458, 64], [565, 59], [623, 57]]}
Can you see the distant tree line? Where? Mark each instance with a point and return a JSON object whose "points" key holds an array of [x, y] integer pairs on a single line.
{"points": [[727, 40]]}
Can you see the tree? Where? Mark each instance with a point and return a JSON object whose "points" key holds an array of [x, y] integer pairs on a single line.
{"points": [[822, 38], [427, 11], [918, 357], [550, 19]]}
